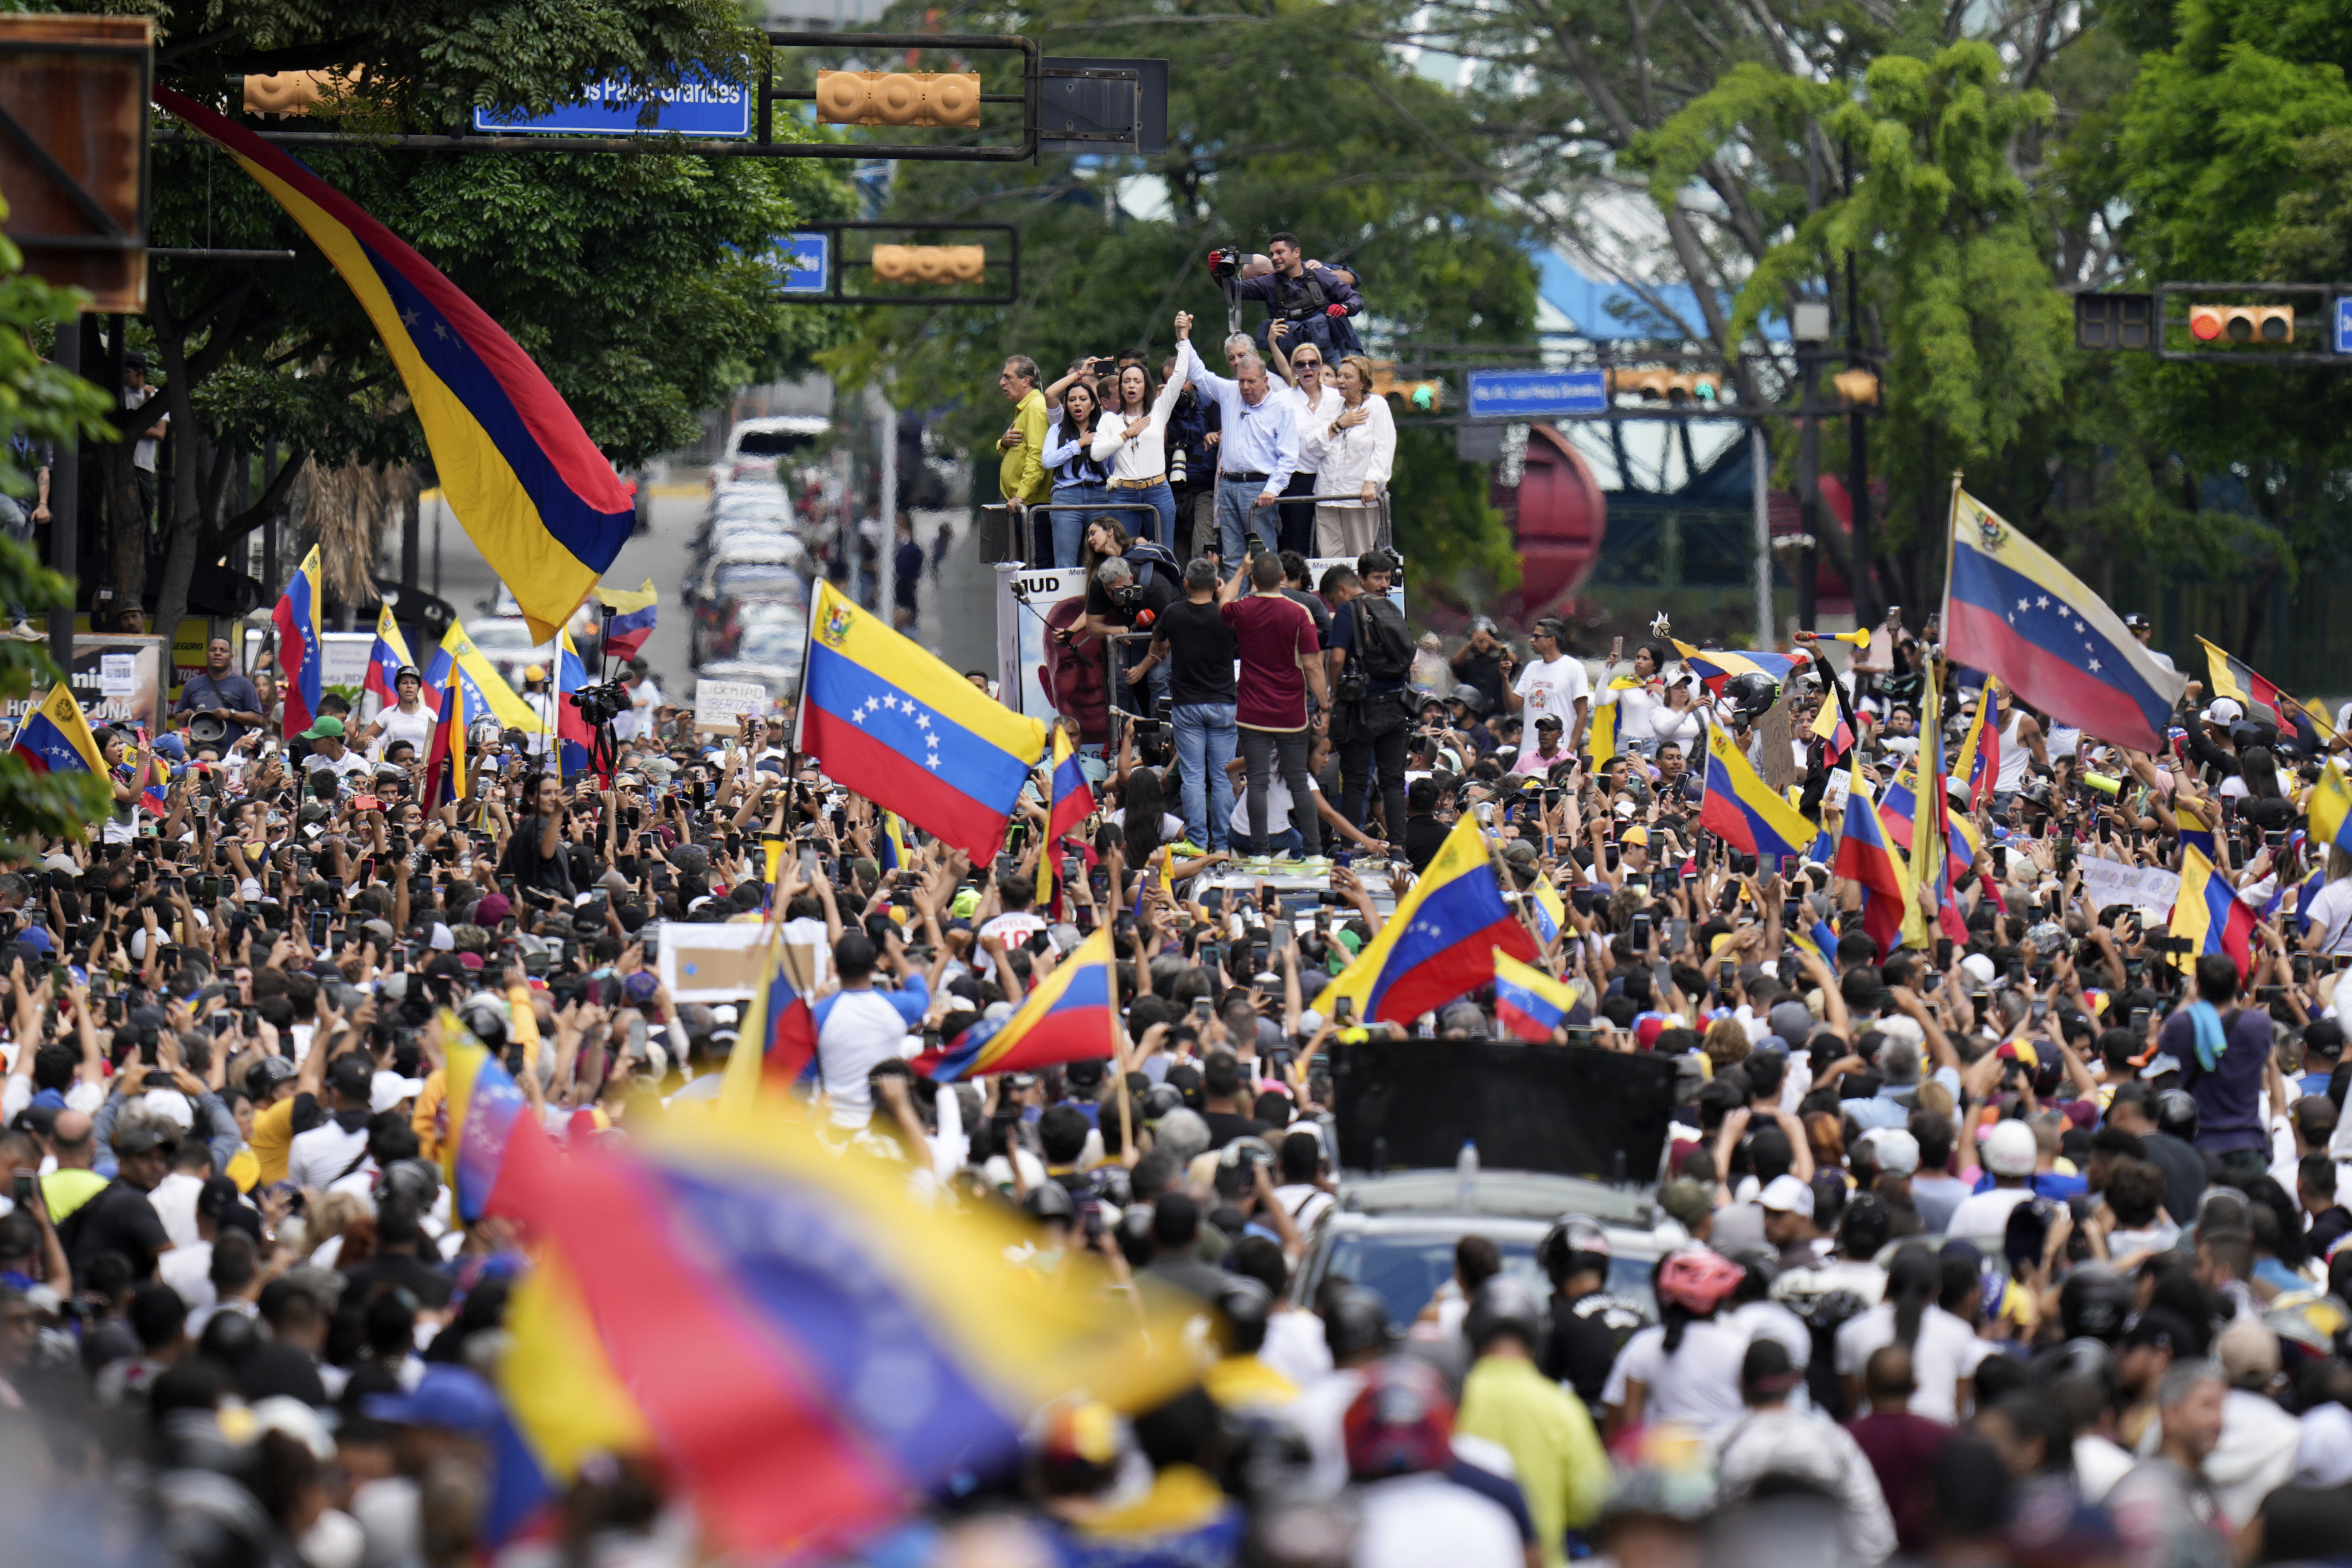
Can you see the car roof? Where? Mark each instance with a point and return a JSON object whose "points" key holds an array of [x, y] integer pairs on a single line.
{"points": [[1530, 1195]]}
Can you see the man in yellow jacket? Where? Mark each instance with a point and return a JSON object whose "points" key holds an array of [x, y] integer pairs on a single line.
{"points": [[1562, 1468], [1022, 478]]}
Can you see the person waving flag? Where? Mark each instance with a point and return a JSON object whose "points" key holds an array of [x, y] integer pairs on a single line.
{"points": [[302, 657], [387, 658]]}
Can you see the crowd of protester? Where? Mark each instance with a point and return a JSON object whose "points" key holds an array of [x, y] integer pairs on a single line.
{"points": [[2019, 1246]]}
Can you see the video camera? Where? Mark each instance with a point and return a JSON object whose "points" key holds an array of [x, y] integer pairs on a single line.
{"points": [[601, 705]]}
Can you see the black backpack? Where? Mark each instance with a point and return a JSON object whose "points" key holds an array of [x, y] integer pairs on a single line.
{"points": [[1383, 646]]}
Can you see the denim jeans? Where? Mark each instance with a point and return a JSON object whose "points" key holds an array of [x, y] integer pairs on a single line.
{"points": [[1206, 739], [1263, 750], [1070, 527], [1238, 514], [1161, 499]]}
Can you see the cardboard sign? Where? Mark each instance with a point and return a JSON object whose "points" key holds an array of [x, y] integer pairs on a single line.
{"points": [[721, 704]]}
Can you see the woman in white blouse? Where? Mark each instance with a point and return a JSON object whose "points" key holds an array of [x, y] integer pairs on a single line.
{"points": [[1314, 399], [1354, 450], [1638, 704], [1134, 448]]}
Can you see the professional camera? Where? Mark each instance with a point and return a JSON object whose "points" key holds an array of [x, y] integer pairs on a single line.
{"points": [[1224, 262], [601, 705]]}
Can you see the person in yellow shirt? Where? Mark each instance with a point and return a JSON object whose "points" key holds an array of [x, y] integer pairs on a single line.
{"points": [[1562, 1468], [1022, 478]]}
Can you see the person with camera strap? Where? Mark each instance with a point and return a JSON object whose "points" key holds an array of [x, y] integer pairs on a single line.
{"points": [[1370, 657]]}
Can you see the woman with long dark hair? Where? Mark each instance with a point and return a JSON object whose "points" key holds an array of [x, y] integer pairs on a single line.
{"points": [[1079, 479], [1943, 1350], [1687, 1368]]}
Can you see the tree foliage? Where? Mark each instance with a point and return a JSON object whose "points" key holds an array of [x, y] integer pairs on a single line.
{"points": [[1298, 118]]}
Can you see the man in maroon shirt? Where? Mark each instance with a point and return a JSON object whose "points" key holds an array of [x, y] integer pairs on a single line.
{"points": [[1281, 659], [1900, 1445]]}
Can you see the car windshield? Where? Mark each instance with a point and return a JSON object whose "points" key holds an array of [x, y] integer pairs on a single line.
{"points": [[770, 644], [502, 637], [1408, 1270]]}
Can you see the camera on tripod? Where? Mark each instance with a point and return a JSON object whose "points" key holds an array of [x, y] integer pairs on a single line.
{"points": [[601, 705]]}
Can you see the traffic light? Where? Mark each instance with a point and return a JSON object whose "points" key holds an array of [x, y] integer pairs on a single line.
{"points": [[1859, 388], [897, 97], [1421, 396], [929, 263], [1679, 388], [293, 92], [2104, 321], [2242, 323]]}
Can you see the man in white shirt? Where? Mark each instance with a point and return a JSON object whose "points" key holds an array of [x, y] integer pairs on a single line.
{"points": [[330, 755], [1257, 453], [1553, 682], [2009, 1154], [858, 1026], [324, 1154], [175, 1197], [1018, 922]]}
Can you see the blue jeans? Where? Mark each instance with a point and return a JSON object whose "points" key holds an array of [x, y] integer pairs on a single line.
{"points": [[1070, 527], [1238, 514], [1161, 499], [1206, 739]]}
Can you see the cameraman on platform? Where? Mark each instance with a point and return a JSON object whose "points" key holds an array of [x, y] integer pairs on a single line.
{"points": [[1314, 298]]}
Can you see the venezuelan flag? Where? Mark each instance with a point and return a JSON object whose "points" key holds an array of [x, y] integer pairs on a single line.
{"points": [[1833, 723], [2260, 696], [633, 615], [777, 1041], [1744, 811], [1978, 762], [302, 659], [2329, 810], [538, 498], [486, 690], [892, 844], [1862, 857], [750, 1306], [574, 741], [55, 739], [888, 720], [445, 754], [386, 659], [1600, 736], [1714, 666], [1441, 940], [1069, 801], [1069, 1016], [1550, 909], [2210, 914], [153, 801], [1527, 1001], [1930, 832], [2012, 610], [485, 1109]]}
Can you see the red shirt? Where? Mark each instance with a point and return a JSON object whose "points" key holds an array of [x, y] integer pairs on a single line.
{"points": [[1274, 635]]}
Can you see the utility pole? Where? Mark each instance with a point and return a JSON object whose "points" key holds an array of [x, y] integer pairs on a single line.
{"points": [[65, 507], [1857, 482]]}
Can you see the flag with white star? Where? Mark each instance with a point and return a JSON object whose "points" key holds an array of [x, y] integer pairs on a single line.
{"points": [[2012, 610], [1442, 940]]}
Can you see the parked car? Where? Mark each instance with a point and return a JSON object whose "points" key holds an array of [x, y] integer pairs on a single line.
{"points": [[717, 637], [1396, 1233], [507, 643], [770, 652], [760, 448]]}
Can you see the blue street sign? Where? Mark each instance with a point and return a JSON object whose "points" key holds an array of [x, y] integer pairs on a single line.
{"points": [[705, 108], [803, 263], [2344, 325], [1532, 394]]}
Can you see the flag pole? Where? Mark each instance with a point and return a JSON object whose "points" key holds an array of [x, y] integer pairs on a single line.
{"points": [[1120, 1043], [1951, 534]]}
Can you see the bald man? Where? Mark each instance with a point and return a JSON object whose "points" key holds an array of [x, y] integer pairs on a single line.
{"points": [[73, 1182]]}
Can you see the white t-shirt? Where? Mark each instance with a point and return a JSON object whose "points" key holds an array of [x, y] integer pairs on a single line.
{"points": [[1416, 1519], [1944, 1352], [1699, 1385], [1986, 1212], [1013, 928], [188, 1269], [320, 1156], [1277, 805], [1553, 686], [174, 1199], [349, 766], [416, 729], [2331, 915]]}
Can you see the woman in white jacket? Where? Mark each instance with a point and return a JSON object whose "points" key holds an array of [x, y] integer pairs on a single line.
{"points": [[1354, 450], [1136, 449]]}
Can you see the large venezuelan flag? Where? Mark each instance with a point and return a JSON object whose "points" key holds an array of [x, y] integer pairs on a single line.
{"points": [[1744, 811], [302, 657], [1441, 940], [387, 658], [486, 690], [888, 720], [808, 1349], [1714, 666], [778, 1038], [2210, 914], [2012, 610], [1066, 1017], [1862, 857], [56, 736], [1529, 1002], [486, 1111], [536, 495]]}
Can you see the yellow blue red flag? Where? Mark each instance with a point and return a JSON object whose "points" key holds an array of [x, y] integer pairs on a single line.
{"points": [[1527, 1001], [2210, 914], [486, 690], [301, 656], [1067, 1017], [1744, 811], [887, 718], [1441, 939], [387, 658], [536, 495], [56, 736]]}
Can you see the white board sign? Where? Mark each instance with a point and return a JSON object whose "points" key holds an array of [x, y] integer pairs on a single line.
{"points": [[721, 704], [2151, 890]]}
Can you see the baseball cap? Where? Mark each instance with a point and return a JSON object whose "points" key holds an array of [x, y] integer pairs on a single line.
{"points": [[2247, 1350], [138, 1135], [266, 1075], [1897, 1151], [1792, 1022], [2008, 1149], [1787, 1195], [2224, 710], [493, 908], [350, 1076], [325, 728], [450, 1398], [388, 1089]]}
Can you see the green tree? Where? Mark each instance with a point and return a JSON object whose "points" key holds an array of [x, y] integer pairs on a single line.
{"points": [[634, 281], [42, 410], [1300, 117]]}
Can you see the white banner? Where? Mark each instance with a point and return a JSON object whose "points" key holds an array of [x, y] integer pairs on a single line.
{"points": [[2151, 890]]}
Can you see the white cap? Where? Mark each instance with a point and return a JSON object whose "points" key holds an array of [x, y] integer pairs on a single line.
{"points": [[1897, 1150], [441, 940], [172, 1103], [389, 1089], [1785, 1193], [1978, 967], [2224, 710], [2010, 1150]]}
